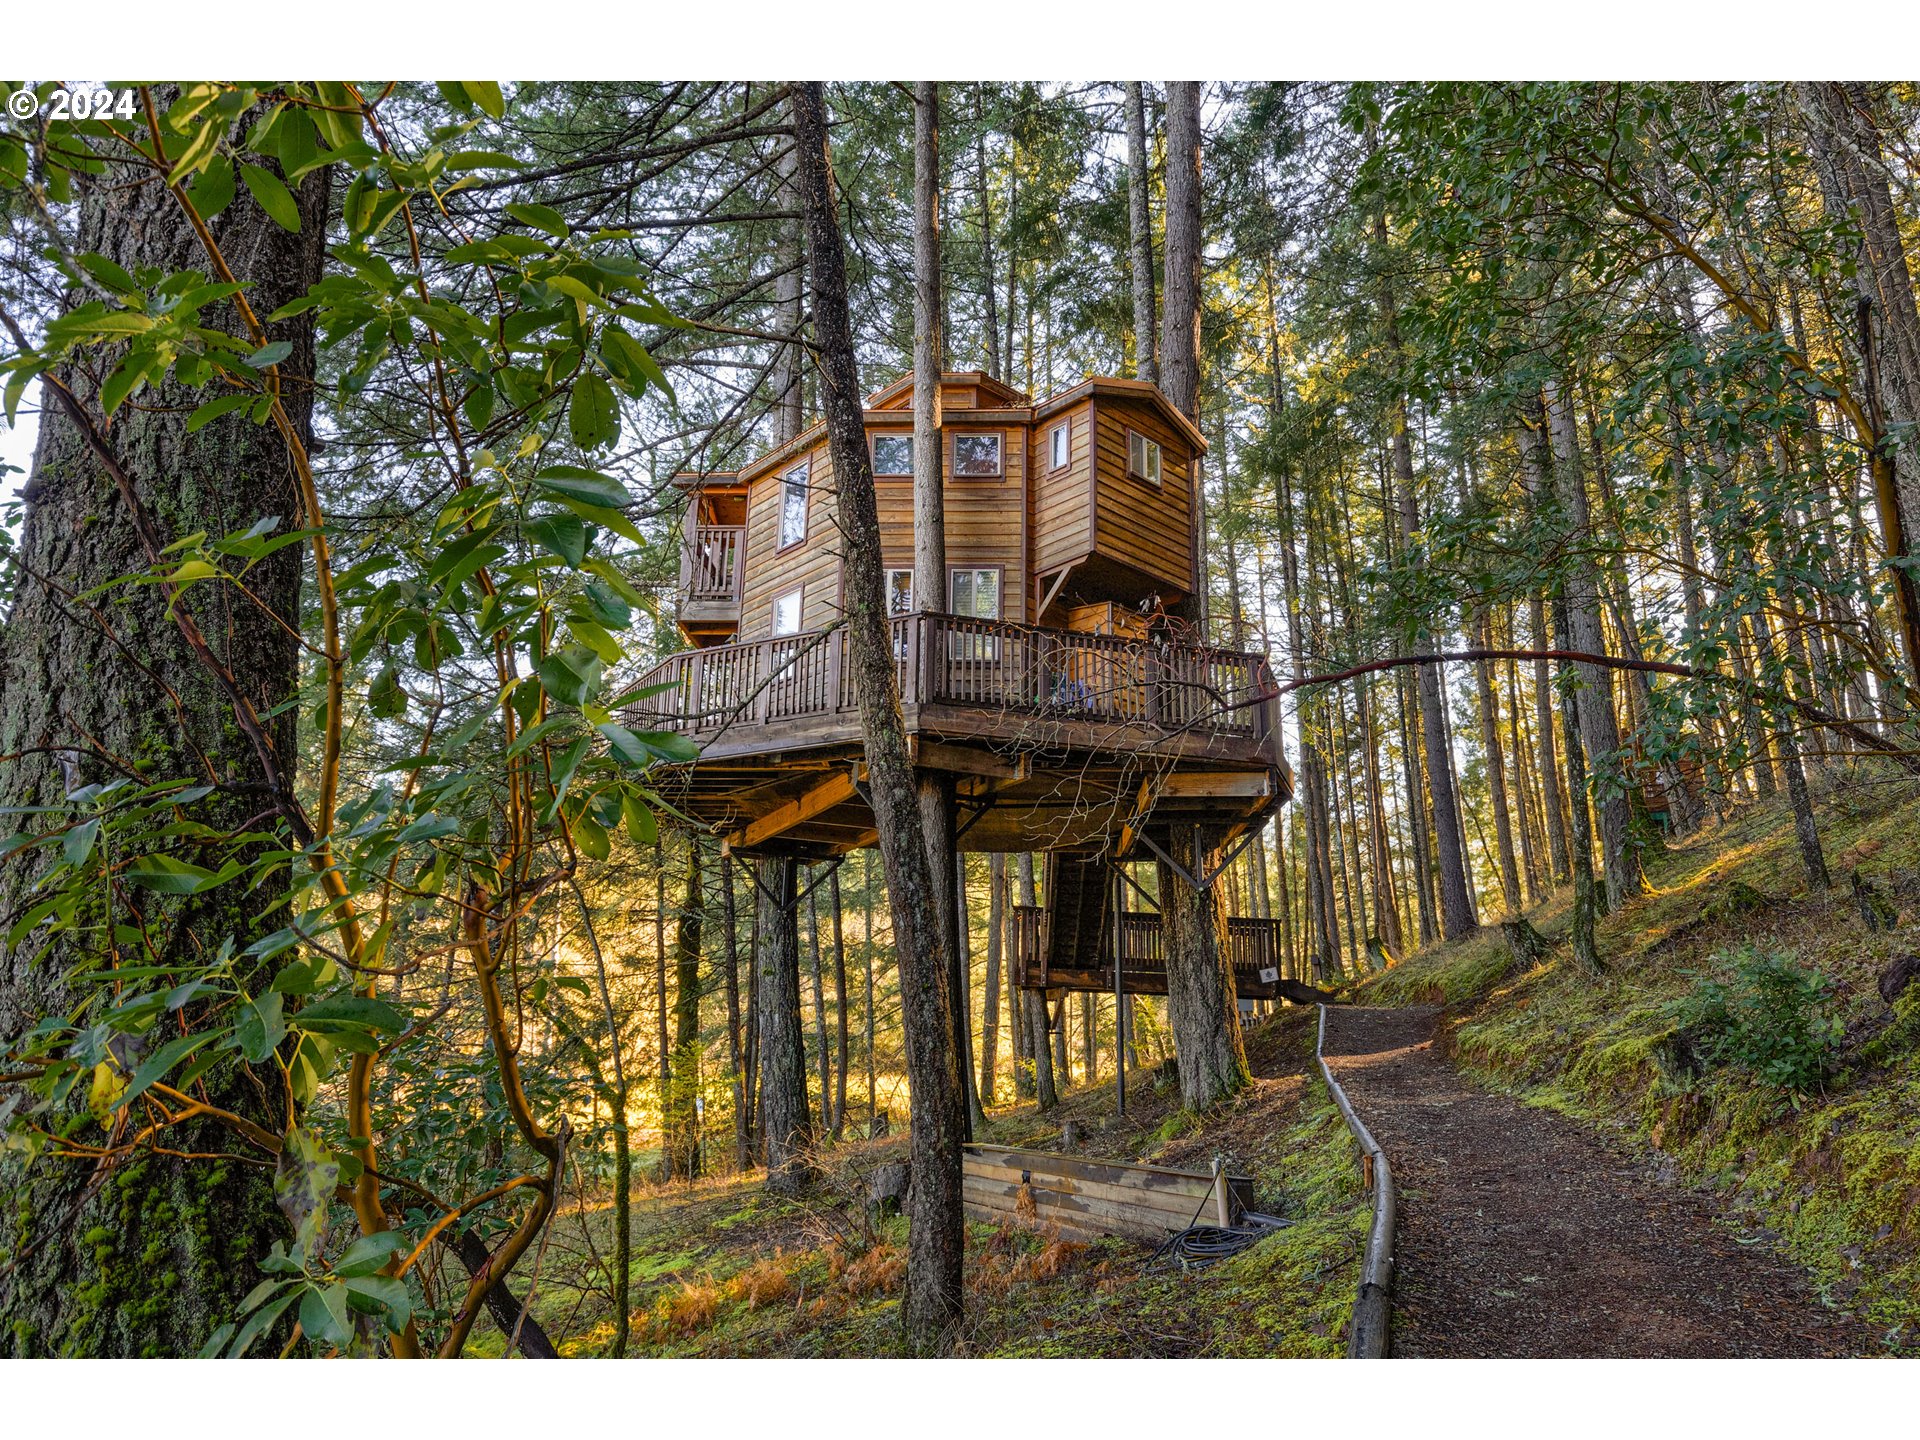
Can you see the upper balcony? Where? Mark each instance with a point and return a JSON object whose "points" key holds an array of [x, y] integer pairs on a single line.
{"points": [[713, 560]]}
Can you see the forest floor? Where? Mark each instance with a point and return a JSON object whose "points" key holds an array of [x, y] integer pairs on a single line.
{"points": [[1829, 1181], [721, 1268], [1520, 1235]]}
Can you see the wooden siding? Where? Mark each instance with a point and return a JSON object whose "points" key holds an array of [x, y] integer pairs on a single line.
{"points": [[1062, 513], [814, 563], [1145, 527], [985, 520]]}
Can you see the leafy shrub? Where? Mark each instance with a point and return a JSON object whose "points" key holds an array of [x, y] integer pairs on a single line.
{"points": [[1771, 1016]]}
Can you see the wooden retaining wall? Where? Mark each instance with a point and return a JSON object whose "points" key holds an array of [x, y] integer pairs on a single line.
{"points": [[1084, 1199]]}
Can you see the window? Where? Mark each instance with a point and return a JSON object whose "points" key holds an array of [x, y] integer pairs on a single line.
{"points": [[786, 613], [899, 592], [793, 506], [974, 595], [976, 455], [1143, 457], [899, 602], [1060, 446], [892, 455]]}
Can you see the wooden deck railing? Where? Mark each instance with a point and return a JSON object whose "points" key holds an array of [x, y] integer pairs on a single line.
{"points": [[801, 684], [711, 567], [1253, 945]]}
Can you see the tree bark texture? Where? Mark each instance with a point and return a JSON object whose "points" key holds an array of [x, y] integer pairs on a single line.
{"points": [[937, 1224], [150, 1254]]}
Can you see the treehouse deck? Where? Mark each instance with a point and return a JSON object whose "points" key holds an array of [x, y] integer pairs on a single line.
{"points": [[1057, 739], [1070, 943]]}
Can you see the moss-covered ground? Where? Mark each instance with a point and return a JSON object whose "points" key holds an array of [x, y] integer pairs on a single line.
{"points": [[1832, 1176], [723, 1268]]}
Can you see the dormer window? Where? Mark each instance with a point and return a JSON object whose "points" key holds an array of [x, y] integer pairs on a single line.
{"points": [[793, 506], [892, 456], [1060, 446], [1143, 458], [976, 455]]}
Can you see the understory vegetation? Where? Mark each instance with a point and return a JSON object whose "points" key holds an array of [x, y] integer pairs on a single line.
{"points": [[722, 1267], [1738, 1036]]}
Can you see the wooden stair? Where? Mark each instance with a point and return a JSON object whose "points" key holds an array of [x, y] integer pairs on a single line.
{"points": [[1076, 931]]}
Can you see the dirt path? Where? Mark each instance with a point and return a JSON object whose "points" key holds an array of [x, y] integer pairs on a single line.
{"points": [[1521, 1235]]}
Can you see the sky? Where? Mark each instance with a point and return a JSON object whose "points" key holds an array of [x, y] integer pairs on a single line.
{"points": [[16, 449]]}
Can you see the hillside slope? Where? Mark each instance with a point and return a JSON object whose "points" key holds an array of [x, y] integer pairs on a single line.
{"points": [[1829, 1172]]}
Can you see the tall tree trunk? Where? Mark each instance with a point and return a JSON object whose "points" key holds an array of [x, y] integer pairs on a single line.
{"points": [[1146, 365], [822, 1051], [990, 1008], [1850, 161], [839, 1007], [683, 1150], [1598, 728], [788, 290], [1046, 1091], [1497, 777], [87, 1247], [937, 1223], [742, 1126], [1200, 996], [1456, 902], [663, 1048], [987, 291], [1585, 901], [870, 950], [786, 1124]]}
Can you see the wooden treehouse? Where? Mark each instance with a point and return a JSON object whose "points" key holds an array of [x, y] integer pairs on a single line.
{"points": [[1074, 718]]}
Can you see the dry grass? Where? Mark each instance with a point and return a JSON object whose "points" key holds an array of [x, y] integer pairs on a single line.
{"points": [[681, 1311], [882, 1270], [763, 1282]]}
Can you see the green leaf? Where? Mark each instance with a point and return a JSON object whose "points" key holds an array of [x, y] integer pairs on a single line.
{"points": [[571, 675], [385, 698], [273, 195], [261, 1025], [588, 486], [77, 843], [541, 217], [214, 409], [323, 1315], [561, 535], [609, 519], [109, 274], [642, 828], [272, 354], [362, 1011], [165, 874], [640, 749], [258, 1323], [214, 191], [486, 94], [593, 414], [608, 608], [591, 837], [367, 1254], [156, 1066], [382, 1295]]}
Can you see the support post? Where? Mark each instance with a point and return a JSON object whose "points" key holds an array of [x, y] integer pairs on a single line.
{"points": [[1119, 1001]]}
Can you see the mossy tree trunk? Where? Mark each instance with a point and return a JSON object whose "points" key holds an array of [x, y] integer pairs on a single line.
{"points": [[783, 1056], [149, 1254], [1201, 1004]]}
